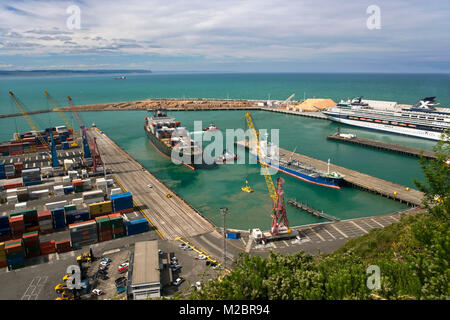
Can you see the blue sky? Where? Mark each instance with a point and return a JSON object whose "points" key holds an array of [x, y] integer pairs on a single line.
{"points": [[232, 35]]}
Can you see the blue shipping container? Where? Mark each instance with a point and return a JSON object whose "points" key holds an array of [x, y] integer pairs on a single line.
{"points": [[4, 222], [5, 232], [74, 217], [232, 235], [68, 190], [15, 260], [122, 201]]}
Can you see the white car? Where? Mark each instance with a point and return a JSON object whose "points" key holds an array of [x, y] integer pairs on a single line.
{"points": [[104, 263], [97, 292], [202, 257], [178, 281]]}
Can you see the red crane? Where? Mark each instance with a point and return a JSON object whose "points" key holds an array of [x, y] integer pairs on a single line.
{"points": [[279, 217]]}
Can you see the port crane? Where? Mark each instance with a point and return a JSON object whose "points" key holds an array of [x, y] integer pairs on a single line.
{"points": [[54, 155], [288, 100], [88, 146], [55, 106], [280, 222]]}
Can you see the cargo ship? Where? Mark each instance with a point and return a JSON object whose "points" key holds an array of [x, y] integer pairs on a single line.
{"points": [[301, 171], [173, 141], [423, 120]]}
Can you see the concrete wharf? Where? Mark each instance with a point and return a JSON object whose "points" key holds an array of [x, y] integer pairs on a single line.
{"points": [[357, 179], [410, 151], [171, 216]]}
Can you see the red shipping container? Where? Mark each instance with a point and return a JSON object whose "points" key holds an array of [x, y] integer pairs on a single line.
{"points": [[114, 215], [118, 230], [12, 185], [3, 264], [44, 215], [63, 246], [129, 210]]}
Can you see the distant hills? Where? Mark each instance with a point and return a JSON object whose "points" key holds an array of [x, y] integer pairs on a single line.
{"points": [[69, 72]]}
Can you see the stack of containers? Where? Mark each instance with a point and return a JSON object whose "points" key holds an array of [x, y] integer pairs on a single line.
{"points": [[48, 247], [56, 205], [22, 194], [31, 176], [63, 246], [122, 202], [117, 227], [18, 167], [10, 171], [100, 209], [58, 190], [3, 262], [30, 219], [15, 148], [59, 221], [70, 208], [104, 228], [68, 190], [136, 226], [74, 216], [45, 222], [5, 230], [17, 226], [32, 244], [15, 254], [77, 185], [83, 233], [2, 170], [87, 184]]}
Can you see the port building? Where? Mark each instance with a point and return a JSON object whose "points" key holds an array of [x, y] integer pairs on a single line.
{"points": [[145, 272]]}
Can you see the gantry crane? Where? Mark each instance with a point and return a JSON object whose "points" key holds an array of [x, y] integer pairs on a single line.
{"points": [[54, 155], [55, 106], [279, 218], [86, 147]]}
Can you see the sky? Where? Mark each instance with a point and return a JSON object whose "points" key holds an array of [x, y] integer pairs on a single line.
{"points": [[227, 35]]}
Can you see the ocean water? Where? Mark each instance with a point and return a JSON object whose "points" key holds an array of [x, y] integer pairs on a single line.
{"points": [[209, 190]]}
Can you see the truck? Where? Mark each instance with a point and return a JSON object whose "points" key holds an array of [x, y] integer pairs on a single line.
{"points": [[265, 237]]}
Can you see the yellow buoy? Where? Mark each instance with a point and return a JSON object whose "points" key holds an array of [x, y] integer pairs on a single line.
{"points": [[247, 187], [395, 192], [407, 188]]}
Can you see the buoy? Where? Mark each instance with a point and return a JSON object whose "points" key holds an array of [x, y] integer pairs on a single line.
{"points": [[407, 188], [395, 192]]}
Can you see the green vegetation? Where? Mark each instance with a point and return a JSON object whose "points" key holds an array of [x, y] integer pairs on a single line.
{"points": [[413, 256]]}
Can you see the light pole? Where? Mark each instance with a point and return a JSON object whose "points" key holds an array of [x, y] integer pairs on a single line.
{"points": [[224, 213]]}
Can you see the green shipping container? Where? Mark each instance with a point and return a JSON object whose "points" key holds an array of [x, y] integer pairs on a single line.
{"points": [[34, 249], [26, 213], [70, 207], [118, 235]]}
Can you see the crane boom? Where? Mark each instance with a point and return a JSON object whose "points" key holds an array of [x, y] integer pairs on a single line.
{"points": [[267, 176], [86, 145], [28, 119], [55, 106]]}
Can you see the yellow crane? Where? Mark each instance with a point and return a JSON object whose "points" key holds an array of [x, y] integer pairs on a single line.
{"points": [[265, 170], [55, 106], [28, 119]]}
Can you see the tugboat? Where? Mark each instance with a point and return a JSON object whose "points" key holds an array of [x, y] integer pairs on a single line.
{"points": [[226, 156], [211, 127]]}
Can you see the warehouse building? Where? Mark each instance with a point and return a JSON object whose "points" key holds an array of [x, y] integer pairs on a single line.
{"points": [[145, 272]]}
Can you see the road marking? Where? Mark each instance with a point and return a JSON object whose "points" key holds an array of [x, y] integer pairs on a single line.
{"points": [[341, 232], [321, 238], [111, 251], [285, 243], [35, 288], [329, 233], [392, 217], [57, 256], [363, 230], [72, 253], [377, 222], [249, 244]]}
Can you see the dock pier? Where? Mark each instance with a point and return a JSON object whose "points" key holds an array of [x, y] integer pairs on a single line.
{"points": [[357, 179], [410, 151], [310, 210]]}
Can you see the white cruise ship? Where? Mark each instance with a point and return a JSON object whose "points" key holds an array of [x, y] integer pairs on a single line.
{"points": [[422, 120]]}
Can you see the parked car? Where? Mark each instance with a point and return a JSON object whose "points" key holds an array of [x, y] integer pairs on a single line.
{"points": [[176, 267], [123, 267], [160, 252], [201, 257], [97, 292], [188, 248], [178, 281], [182, 245], [120, 282], [104, 263], [106, 259]]}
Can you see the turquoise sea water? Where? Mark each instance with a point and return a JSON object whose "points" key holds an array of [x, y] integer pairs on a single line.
{"points": [[210, 190]]}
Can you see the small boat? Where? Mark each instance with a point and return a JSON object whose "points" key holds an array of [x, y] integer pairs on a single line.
{"points": [[211, 127], [247, 188], [120, 78], [93, 125], [226, 156]]}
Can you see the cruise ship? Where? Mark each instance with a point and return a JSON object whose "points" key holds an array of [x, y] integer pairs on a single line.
{"points": [[422, 120], [169, 138]]}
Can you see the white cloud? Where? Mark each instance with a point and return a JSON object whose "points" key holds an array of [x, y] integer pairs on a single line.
{"points": [[225, 30]]}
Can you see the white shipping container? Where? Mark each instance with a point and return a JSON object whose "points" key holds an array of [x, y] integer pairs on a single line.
{"points": [[12, 199], [77, 201], [40, 193], [20, 206], [11, 192], [110, 182], [94, 200], [116, 191], [66, 179], [56, 205]]}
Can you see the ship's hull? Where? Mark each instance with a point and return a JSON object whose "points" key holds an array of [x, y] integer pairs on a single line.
{"points": [[166, 151], [319, 180], [414, 132]]}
